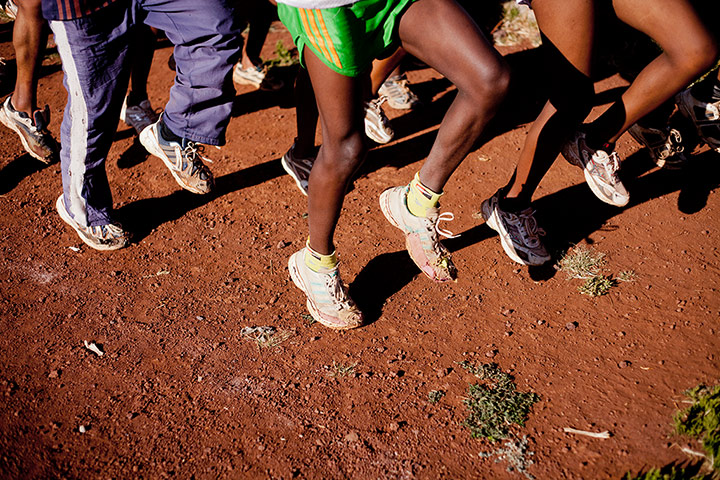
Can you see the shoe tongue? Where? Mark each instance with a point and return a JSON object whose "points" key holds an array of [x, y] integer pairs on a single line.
{"points": [[41, 118]]}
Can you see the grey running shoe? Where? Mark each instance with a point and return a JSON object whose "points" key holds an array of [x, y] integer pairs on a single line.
{"points": [[519, 233], [664, 145], [298, 168], [327, 299], [259, 77], [33, 133], [103, 237], [10, 9], [421, 235], [705, 116], [600, 169], [184, 161], [138, 116], [377, 125], [399, 96]]}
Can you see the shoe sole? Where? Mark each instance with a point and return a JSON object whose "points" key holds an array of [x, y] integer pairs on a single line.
{"points": [[378, 137], [11, 125], [286, 166], [312, 308], [60, 207], [151, 145]]}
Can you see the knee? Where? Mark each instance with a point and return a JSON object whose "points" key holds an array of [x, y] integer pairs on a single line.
{"points": [[490, 83], [31, 8], [702, 58], [343, 156]]}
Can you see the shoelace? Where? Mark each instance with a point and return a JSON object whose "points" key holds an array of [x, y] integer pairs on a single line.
{"points": [[399, 88], [527, 226], [712, 111], [673, 144], [609, 162], [445, 217], [374, 105], [336, 289]]}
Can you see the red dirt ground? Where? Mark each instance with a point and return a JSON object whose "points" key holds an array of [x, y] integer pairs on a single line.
{"points": [[180, 392]]}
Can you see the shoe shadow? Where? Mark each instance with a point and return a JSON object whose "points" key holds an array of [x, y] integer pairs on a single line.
{"points": [[134, 155], [143, 216], [18, 169]]}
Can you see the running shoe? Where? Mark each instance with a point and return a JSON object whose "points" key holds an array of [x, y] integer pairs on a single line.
{"points": [[182, 159], [102, 237], [298, 168], [519, 233], [327, 298], [377, 125], [257, 77], [398, 93], [138, 116], [705, 116], [10, 9], [421, 234], [600, 169], [664, 145], [33, 133]]}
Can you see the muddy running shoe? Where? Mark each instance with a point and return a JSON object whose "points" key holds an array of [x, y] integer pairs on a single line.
{"points": [[183, 160], [327, 298], [600, 170], [138, 116], [258, 77], [33, 133], [103, 237], [298, 168], [377, 125], [705, 116], [664, 145], [421, 235], [10, 9], [398, 93], [519, 233]]}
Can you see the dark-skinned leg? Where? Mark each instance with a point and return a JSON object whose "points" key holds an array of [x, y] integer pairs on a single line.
{"points": [[688, 51], [29, 39]]}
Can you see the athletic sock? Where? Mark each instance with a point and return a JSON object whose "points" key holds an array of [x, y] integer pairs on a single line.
{"points": [[135, 98], [512, 205], [420, 198], [316, 261], [596, 144], [168, 135]]}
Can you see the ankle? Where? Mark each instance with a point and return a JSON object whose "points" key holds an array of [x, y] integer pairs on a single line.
{"points": [[136, 98]]}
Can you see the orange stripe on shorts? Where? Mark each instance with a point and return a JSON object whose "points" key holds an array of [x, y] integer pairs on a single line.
{"points": [[328, 40]]}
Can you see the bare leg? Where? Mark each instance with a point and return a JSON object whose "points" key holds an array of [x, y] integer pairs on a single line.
{"points": [[339, 101], [456, 48], [29, 39], [383, 69], [144, 52], [306, 115]]}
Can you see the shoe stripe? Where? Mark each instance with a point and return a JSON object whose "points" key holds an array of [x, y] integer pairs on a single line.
{"points": [[78, 119]]}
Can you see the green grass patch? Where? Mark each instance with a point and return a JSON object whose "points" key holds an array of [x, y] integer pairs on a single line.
{"points": [[435, 395], [494, 404], [596, 286], [701, 420], [582, 262]]}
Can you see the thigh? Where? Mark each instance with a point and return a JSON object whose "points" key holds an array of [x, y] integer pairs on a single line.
{"points": [[454, 45]]}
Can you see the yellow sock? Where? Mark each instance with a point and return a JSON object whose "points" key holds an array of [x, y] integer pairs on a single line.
{"points": [[420, 198], [316, 261]]}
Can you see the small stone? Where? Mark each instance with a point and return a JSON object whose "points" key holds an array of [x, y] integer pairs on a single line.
{"points": [[571, 325], [200, 318], [352, 437], [507, 312], [394, 427], [624, 364], [282, 244], [491, 353], [82, 429], [54, 374]]}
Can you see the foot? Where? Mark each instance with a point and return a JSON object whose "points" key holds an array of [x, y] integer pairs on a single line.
{"points": [[138, 116], [705, 116], [664, 145], [298, 168], [183, 159], [102, 237], [327, 298], [421, 235], [33, 133], [399, 96], [519, 233], [258, 77], [600, 169], [377, 125]]}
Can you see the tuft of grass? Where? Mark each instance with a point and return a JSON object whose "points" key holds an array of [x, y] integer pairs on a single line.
{"points": [[266, 337], [308, 318], [495, 404], [340, 370], [515, 453], [627, 276], [597, 286], [283, 57], [435, 395], [517, 26], [582, 262], [671, 472], [701, 420]]}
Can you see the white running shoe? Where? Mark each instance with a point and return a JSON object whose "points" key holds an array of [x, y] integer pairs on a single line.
{"points": [[664, 145], [421, 234], [519, 233], [138, 116], [600, 169], [327, 299], [101, 237], [257, 77], [398, 93], [705, 116], [377, 125]]}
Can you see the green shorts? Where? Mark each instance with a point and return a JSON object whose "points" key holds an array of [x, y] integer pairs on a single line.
{"points": [[346, 39]]}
